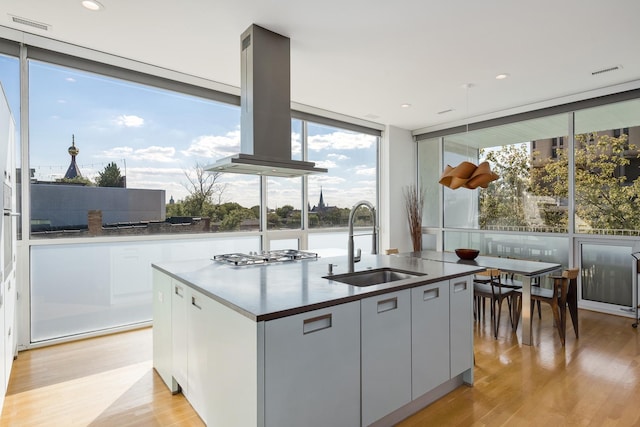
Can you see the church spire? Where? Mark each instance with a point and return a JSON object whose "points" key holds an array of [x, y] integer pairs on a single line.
{"points": [[321, 202], [73, 171]]}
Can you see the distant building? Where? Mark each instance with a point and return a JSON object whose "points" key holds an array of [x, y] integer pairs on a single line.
{"points": [[73, 171], [59, 206], [321, 207], [545, 150]]}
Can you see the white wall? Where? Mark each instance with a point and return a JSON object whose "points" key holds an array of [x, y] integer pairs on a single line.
{"points": [[397, 170]]}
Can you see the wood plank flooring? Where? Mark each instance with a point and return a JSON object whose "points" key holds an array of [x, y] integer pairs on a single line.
{"points": [[593, 381], [106, 381]]}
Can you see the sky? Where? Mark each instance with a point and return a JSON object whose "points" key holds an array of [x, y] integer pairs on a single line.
{"points": [[156, 137]]}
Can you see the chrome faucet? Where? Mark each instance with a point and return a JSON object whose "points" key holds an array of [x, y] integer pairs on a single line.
{"points": [[374, 236]]}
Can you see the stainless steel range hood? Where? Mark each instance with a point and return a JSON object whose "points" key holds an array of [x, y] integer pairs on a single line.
{"points": [[265, 97]]}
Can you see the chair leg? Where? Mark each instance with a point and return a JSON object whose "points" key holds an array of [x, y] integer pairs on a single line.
{"points": [[497, 318], [559, 322]]}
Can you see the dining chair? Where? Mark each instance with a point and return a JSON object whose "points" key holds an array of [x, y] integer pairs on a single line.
{"points": [[487, 285], [511, 282], [557, 298]]}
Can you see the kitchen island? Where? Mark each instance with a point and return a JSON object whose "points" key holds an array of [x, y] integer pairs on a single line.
{"points": [[282, 345]]}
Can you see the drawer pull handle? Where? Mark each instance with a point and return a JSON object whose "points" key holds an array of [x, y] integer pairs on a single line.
{"points": [[178, 291], [387, 305], [431, 294], [316, 324], [193, 303], [459, 287]]}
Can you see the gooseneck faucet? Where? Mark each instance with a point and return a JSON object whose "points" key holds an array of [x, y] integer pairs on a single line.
{"points": [[374, 236]]}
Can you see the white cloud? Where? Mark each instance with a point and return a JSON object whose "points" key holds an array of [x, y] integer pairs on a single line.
{"points": [[328, 164], [129, 121], [118, 152], [367, 171], [214, 146], [339, 157], [70, 79], [341, 141], [152, 153], [156, 171], [62, 101], [326, 180], [155, 154]]}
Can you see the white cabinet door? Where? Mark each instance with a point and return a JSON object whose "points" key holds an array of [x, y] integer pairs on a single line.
{"points": [[10, 301], [162, 347], [386, 354], [179, 341], [4, 376], [312, 375], [198, 326], [461, 319], [429, 337]]}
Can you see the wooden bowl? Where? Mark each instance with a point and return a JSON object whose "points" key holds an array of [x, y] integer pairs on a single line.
{"points": [[468, 254]]}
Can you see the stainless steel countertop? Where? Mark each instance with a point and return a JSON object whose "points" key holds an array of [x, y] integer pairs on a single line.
{"points": [[266, 292]]}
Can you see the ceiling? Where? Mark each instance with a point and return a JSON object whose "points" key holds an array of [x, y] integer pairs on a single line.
{"points": [[365, 58]]}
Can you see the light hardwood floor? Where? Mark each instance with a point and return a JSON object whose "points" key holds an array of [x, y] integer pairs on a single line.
{"points": [[593, 381]]}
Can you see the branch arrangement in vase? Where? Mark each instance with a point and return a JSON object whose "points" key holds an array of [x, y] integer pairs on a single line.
{"points": [[414, 203]]}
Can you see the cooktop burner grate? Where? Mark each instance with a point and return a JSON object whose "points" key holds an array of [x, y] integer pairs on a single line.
{"points": [[266, 257]]}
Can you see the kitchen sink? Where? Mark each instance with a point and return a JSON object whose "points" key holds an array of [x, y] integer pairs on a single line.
{"points": [[373, 277]]}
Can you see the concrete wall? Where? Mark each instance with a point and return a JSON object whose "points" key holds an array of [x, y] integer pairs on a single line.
{"points": [[64, 205]]}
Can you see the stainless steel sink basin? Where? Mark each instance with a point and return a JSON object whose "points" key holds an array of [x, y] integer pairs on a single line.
{"points": [[373, 277]]}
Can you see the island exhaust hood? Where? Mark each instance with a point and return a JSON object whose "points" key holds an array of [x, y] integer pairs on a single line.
{"points": [[265, 99]]}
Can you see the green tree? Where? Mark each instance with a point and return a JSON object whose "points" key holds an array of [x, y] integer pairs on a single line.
{"points": [[110, 176], [78, 180], [285, 211], [256, 211], [502, 202], [174, 209], [604, 197], [204, 187]]}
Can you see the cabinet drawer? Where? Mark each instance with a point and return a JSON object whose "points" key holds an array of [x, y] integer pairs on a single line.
{"points": [[429, 337], [386, 354], [311, 374]]}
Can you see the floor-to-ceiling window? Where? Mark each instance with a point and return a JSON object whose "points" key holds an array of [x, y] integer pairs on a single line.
{"points": [[567, 192], [517, 202], [117, 181], [352, 158], [607, 190]]}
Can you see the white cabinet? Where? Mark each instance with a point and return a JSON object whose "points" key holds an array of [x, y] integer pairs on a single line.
{"points": [[182, 328], [461, 320], [10, 301], [311, 368], [8, 295], [179, 338], [346, 365], [386, 354], [162, 344], [429, 337], [198, 343]]}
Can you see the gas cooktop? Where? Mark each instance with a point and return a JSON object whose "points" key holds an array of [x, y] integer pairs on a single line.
{"points": [[266, 257]]}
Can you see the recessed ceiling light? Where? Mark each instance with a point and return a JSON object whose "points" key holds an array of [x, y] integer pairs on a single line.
{"points": [[405, 105], [92, 5], [502, 76]]}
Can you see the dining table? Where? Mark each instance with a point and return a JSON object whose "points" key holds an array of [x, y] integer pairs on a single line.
{"points": [[527, 269]]}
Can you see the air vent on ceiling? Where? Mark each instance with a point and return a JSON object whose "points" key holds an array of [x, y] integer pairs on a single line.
{"points": [[30, 23], [606, 70], [445, 111]]}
